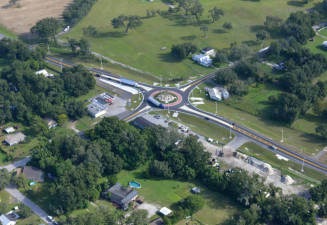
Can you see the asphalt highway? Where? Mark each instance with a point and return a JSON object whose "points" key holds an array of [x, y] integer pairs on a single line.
{"points": [[187, 89]]}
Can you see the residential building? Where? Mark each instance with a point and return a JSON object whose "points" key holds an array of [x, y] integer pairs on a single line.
{"points": [[214, 93], [208, 51], [15, 138], [44, 73], [9, 130], [203, 60], [196, 190], [33, 173], [50, 123], [96, 109], [9, 219], [121, 195]]}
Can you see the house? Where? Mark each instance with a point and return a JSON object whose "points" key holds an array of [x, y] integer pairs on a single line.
{"points": [[324, 44], [33, 173], [9, 130], [9, 219], [208, 51], [203, 60], [225, 93], [121, 195], [44, 73], [15, 138], [214, 94], [142, 123], [50, 123], [196, 190], [165, 211], [96, 109]]}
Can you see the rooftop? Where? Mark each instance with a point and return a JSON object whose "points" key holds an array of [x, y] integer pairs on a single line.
{"points": [[125, 193], [206, 49], [33, 173], [15, 137], [96, 107], [165, 211]]}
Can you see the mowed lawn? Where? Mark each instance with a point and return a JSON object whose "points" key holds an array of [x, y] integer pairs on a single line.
{"points": [[141, 48], [300, 135], [160, 192]]}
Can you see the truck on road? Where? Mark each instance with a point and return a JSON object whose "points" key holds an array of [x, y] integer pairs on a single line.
{"points": [[129, 82]]}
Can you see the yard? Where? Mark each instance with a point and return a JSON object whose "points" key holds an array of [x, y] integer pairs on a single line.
{"points": [[141, 48], [218, 208], [300, 135], [287, 167]]}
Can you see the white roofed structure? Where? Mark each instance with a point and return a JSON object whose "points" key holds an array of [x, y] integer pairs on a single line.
{"points": [[9, 130], [165, 211]]}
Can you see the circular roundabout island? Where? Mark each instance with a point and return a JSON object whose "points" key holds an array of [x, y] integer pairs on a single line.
{"points": [[167, 97]]}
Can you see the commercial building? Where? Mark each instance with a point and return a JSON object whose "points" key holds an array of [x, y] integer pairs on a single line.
{"points": [[96, 109]]}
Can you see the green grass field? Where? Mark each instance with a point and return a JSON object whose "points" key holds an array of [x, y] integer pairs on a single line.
{"points": [[8, 33], [293, 137], [218, 208], [201, 127], [141, 48], [270, 157]]}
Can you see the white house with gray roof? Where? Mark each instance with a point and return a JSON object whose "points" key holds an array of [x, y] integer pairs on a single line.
{"points": [[15, 138], [9, 219]]}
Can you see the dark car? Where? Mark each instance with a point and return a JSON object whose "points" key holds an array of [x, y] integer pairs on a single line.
{"points": [[206, 118], [97, 75]]}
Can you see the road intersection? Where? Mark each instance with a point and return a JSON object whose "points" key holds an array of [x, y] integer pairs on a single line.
{"points": [[185, 106]]}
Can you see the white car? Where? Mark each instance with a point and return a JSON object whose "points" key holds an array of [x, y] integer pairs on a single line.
{"points": [[50, 218]]}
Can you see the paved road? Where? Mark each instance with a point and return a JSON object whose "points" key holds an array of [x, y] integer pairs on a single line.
{"points": [[19, 196], [22, 198]]}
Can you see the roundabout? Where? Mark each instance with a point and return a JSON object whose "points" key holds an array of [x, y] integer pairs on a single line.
{"points": [[168, 98]]}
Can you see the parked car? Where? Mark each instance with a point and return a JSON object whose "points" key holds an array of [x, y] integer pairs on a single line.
{"points": [[50, 218]]}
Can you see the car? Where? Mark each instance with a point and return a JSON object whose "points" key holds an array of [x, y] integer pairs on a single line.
{"points": [[273, 147], [97, 75], [233, 124], [206, 118], [50, 218]]}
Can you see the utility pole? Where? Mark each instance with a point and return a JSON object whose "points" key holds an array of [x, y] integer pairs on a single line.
{"points": [[302, 165], [61, 65], [230, 133], [160, 80], [48, 49], [139, 94], [282, 136], [216, 108], [101, 62]]}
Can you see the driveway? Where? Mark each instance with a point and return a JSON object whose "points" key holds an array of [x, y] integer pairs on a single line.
{"points": [[22, 198], [16, 164]]}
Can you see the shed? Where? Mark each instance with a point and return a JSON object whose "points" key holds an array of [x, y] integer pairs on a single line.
{"points": [[9, 219], [9, 130], [50, 123], [196, 190], [44, 73], [15, 138], [165, 211], [324, 44]]}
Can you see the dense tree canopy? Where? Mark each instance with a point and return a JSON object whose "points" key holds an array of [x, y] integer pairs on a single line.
{"points": [[46, 29]]}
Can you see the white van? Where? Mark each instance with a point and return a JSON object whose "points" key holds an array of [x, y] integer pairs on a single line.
{"points": [[210, 140]]}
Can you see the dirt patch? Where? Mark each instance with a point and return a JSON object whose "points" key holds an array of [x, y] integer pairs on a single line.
{"points": [[152, 209], [20, 20]]}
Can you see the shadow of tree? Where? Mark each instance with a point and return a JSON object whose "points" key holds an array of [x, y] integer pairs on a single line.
{"points": [[256, 28], [168, 57], [114, 34], [219, 31], [296, 3], [250, 42], [188, 38]]}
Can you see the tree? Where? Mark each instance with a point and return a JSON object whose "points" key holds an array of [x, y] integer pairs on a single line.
{"points": [[84, 46], [24, 211], [262, 36], [224, 77], [227, 26], [138, 217], [289, 108], [21, 181], [4, 178], [205, 29], [220, 57], [160, 169], [127, 22], [61, 119], [75, 109], [38, 125], [216, 13], [239, 87], [240, 52], [318, 107], [73, 44], [90, 31], [273, 22], [186, 5], [193, 203], [197, 10], [181, 51], [322, 130], [46, 29]]}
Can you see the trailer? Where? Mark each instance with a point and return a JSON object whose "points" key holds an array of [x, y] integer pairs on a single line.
{"points": [[129, 82], [156, 103]]}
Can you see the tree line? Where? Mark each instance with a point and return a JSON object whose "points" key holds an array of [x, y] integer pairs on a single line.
{"points": [[77, 10], [26, 96]]}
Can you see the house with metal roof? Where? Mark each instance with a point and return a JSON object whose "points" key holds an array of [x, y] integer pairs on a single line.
{"points": [[208, 51], [9, 219], [214, 94], [9, 130], [15, 138], [121, 195]]}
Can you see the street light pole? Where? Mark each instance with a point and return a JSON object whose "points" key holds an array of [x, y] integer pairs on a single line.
{"points": [[101, 62], [230, 133], [302, 165], [216, 108], [282, 136], [61, 65], [139, 95]]}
